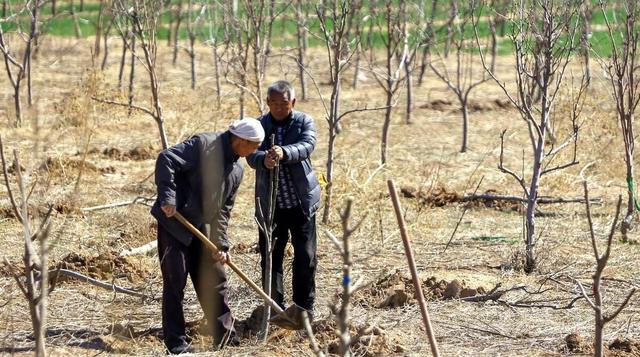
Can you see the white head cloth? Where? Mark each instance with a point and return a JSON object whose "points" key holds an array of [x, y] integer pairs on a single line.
{"points": [[248, 129]]}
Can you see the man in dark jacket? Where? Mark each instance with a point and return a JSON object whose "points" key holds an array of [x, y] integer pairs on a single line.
{"points": [[199, 178], [298, 195]]}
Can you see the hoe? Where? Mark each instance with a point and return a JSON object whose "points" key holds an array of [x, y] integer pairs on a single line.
{"points": [[290, 319]]}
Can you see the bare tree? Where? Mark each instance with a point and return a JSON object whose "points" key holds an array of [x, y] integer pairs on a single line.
{"points": [[453, 16], [20, 68], [465, 78], [396, 46], [177, 17], [143, 16], [193, 24], [412, 27], [623, 69], [74, 18], [212, 19], [428, 38], [34, 280], [302, 19], [236, 69], [341, 309], [601, 318], [544, 39], [586, 12], [248, 38], [334, 24]]}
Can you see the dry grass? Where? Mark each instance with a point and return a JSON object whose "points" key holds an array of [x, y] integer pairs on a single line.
{"points": [[115, 151]]}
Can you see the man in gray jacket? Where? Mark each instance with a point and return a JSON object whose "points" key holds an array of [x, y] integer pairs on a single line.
{"points": [[298, 195], [199, 178]]}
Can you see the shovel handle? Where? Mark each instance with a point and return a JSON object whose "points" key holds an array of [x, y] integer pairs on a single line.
{"points": [[230, 264]]}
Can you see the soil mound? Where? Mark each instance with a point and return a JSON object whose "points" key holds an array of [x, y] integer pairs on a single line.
{"points": [[443, 105], [63, 166], [138, 153], [625, 345], [396, 290], [106, 266], [440, 197], [575, 343]]}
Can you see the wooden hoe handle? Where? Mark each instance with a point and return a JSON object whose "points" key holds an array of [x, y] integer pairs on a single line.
{"points": [[230, 264]]}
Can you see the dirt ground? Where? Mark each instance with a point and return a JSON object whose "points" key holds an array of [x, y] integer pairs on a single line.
{"points": [[85, 154]]}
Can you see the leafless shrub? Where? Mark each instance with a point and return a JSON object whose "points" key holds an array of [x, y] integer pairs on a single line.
{"points": [[623, 69], [544, 36], [596, 303]]}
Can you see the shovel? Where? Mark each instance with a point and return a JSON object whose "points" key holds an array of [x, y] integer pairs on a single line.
{"points": [[290, 319]]}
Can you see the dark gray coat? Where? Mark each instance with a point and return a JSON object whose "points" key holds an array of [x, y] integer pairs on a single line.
{"points": [[299, 143], [200, 176]]}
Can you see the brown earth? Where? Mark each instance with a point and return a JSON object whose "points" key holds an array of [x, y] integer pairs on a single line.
{"points": [[422, 156]]}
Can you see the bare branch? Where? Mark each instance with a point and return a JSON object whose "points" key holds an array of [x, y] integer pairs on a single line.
{"points": [[142, 109]]}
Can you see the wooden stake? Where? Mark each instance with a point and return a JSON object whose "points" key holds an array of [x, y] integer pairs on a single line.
{"points": [[412, 266]]}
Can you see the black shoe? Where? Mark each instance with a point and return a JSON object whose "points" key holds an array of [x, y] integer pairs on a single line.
{"points": [[180, 349]]}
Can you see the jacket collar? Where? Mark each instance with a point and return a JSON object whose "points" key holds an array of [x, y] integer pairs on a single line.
{"points": [[229, 156]]}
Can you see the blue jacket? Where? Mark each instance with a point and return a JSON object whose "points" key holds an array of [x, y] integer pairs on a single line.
{"points": [[299, 143], [200, 176]]}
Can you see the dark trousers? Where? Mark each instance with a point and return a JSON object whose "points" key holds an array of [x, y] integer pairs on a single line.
{"points": [[208, 278], [303, 239]]}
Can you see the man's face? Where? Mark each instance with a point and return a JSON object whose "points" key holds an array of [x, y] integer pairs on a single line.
{"points": [[244, 148], [280, 106]]}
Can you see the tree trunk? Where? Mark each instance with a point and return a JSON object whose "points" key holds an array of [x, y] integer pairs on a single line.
{"points": [[74, 17], [176, 33], [599, 314], [123, 61], [170, 25], [16, 100], [627, 222], [216, 66], [530, 253], [132, 73], [4, 7], [494, 43], [329, 189], [452, 17], [28, 58], [192, 56], [53, 7], [464, 107], [333, 132], [385, 129], [301, 49], [409, 112], [99, 26], [81, 5], [105, 37], [267, 46]]}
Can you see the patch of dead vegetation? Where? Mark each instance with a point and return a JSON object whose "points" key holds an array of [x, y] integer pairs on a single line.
{"points": [[624, 347], [138, 153], [64, 166], [366, 339], [575, 343], [106, 266], [440, 197], [442, 105], [139, 232]]}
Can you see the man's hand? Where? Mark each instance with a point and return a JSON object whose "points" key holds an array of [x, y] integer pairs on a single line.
{"points": [[272, 157], [169, 210], [277, 151], [222, 257]]}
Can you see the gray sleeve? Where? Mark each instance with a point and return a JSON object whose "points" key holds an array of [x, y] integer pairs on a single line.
{"points": [[224, 216]]}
